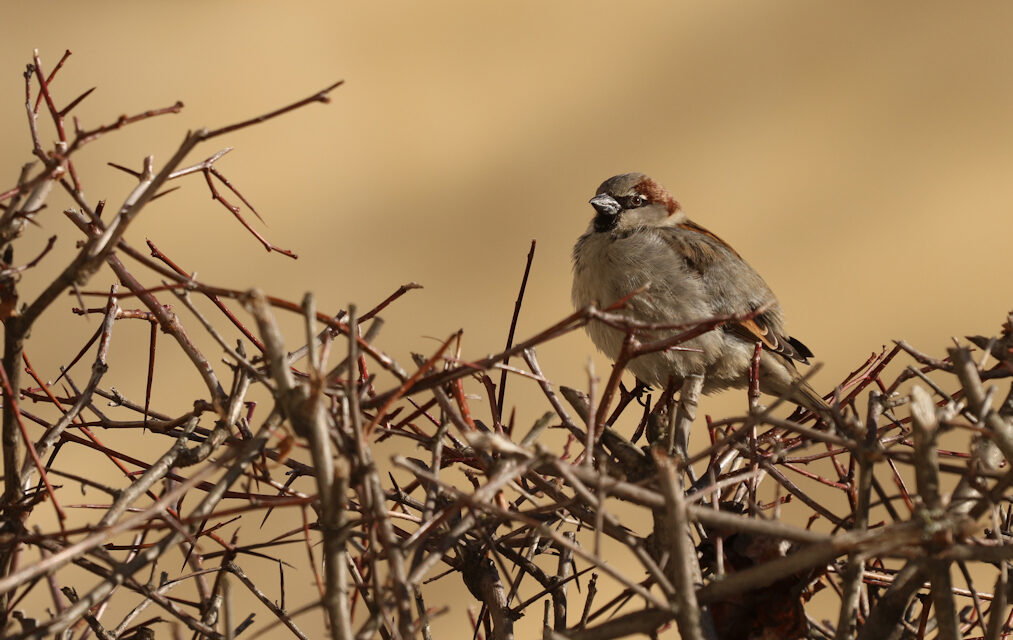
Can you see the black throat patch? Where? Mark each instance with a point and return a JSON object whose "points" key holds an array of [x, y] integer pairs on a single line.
{"points": [[604, 222]]}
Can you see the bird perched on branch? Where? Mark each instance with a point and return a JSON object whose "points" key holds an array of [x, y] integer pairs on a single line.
{"points": [[641, 245]]}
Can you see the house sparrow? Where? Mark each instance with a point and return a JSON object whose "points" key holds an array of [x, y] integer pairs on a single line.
{"points": [[641, 238]]}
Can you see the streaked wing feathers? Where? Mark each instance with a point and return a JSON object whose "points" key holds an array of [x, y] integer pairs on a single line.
{"points": [[757, 330]]}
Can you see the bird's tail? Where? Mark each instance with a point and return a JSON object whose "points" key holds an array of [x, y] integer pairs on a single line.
{"points": [[807, 397]]}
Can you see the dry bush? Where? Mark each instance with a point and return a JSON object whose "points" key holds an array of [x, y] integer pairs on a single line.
{"points": [[882, 524]]}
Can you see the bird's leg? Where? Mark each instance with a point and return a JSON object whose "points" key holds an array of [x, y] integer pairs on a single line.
{"points": [[689, 398], [659, 422], [754, 377]]}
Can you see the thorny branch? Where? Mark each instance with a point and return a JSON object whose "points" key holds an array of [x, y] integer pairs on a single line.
{"points": [[890, 517]]}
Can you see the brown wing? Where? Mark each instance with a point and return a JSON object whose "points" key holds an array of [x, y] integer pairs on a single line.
{"points": [[689, 225], [705, 258], [699, 256], [757, 330]]}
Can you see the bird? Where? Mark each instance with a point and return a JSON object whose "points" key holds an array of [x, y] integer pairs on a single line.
{"points": [[640, 246]]}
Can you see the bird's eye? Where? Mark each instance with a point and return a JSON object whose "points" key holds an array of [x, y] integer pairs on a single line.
{"points": [[638, 201]]}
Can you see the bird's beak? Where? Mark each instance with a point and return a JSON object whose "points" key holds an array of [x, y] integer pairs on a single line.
{"points": [[605, 205]]}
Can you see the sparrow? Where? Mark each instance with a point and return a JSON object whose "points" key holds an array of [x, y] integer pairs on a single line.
{"points": [[641, 245]]}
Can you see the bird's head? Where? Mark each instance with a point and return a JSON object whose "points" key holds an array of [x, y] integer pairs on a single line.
{"points": [[633, 200]]}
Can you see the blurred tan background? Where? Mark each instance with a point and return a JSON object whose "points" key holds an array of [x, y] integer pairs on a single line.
{"points": [[858, 156]]}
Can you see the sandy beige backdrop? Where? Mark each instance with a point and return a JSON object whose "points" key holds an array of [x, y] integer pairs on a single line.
{"points": [[860, 157]]}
